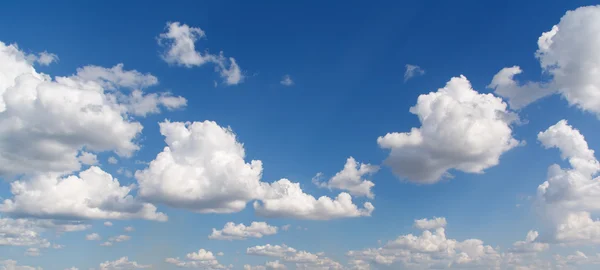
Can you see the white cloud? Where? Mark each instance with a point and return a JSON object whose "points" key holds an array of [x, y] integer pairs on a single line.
{"points": [[303, 259], [92, 237], [578, 228], [112, 160], [21, 232], [203, 259], [108, 224], [116, 77], [412, 71], [140, 104], [232, 231], [12, 265], [44, 58], [431, 250], [518, 95], [271, 265], [568, 54], [87, 158], [351, 178], [180, 39], [577, 259], [286, 80], [286, 227], [529, 245], [430, 224], [32, 252], [121, 264], [286, 199], [129, 229], [125, 172], [94, 194], [460, 129]]}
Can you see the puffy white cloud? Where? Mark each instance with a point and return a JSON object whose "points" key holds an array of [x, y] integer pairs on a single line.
{"points": [[460, 129], [232, 231], [271, 265], [180, 39], [129, 229], [44, 58], [201, 169], [94, 194], [88, 158], [32, 252], [108, 224], [115, 77], [303, 259], [21, 232], [431, 250], [12, 265], [92, 237], [286, 199], [203, 259], [529, 245], [430, 224], [576, 259], [567, 52], [578, 228], [286, 80], [351, 178], [140, 104], [112, 160], [122, 264], [412, 71]]}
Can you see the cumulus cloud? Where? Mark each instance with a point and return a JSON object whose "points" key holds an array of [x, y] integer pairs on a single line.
{"points": [[32, 252], [412, 71], [116, 77], [122, 263], [430, 250], [567, 52], [430, 224], [140, 104], [272, 265], [529, 245], [286, 199], [92, 237], [203, 169], [286, 80], [94, 194], [180, 39], [232, 231], [44, 58], [303, 259], [129, 229], [12, 265], [21, 232], [112, 160], [351, 179], [108, 224], [460, 129], [203, 259], [88, 158]]}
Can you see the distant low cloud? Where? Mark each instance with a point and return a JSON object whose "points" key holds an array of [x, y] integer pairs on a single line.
{"points": [[232, 231], [286, 80], [412, 71]]}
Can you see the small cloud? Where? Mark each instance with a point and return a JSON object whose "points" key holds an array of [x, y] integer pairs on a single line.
{"points": [[43, 58], [287, 80], [92, 237], [112, 160], [220, 254], [34, 252], [129, 229], [412, 71], [286, 227], [108, 224], [88, 158]]}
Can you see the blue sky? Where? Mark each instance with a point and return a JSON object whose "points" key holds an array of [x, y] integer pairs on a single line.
{"points": [[346, 63]]}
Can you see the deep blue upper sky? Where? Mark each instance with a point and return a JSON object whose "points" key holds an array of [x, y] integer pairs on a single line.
{"points": [[347, 61]]}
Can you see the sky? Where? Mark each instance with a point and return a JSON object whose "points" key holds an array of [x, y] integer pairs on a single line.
{"points": [[299, 135]]}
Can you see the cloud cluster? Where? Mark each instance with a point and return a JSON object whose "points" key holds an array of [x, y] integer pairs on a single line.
{"points": [[232, 231], [460, 129], [203, 169], [122, 263], [180, 42], [12, 265], [302, 259], [203, 259], [351, 179], [568, 53]]}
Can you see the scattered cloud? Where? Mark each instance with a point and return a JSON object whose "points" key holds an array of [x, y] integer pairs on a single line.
{"points": [[115, 77], [112, 160], [286, 80], [430, 224], [129, 229], [32, 252], [203, 259], [122, 263], [12, 265], [412, 71], [232, 231], [302, 259], [108, 224], [460, 129], [92, 237], [351, 179], [88, 158]]}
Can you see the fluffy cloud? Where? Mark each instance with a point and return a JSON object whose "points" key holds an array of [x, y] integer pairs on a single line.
{"points": [[529, 245], [140, 104], [122, 263], [272, 265], [92, 237], [577, 259], [180, 39], [88, 158], [286, 80], [203, 259], [412, 71], [32, 252], [112, 160], [12, 265], [578, 228], [567, 52], [303, 259], [430, 224], [116, 239], [431, 250], [129, 229], [232, 231], [286, 199], [460, 129], [94, 194], [203, 169], [351, 178], [43, 58], [108, 224], [21, 232], [115, 77]]}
